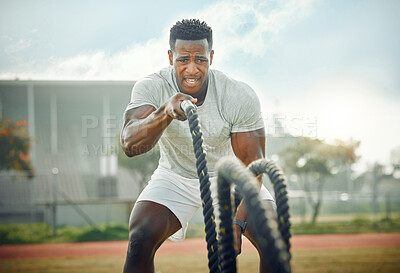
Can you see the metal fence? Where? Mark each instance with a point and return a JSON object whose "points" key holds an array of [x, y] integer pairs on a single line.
{"points": [[57, 198]]}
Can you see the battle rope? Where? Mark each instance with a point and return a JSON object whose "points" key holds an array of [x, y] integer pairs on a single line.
{"points": [[267, 234], [278, 181], [272, 247], [208, 209], [227, 252]]}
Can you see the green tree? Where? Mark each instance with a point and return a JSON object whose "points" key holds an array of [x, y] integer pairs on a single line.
{"points": [[314, 160], [15, 146]]}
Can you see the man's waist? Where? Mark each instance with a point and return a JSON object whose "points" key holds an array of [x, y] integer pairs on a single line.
{"points": [[180, 172]]}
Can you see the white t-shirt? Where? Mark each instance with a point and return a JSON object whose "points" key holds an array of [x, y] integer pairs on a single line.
{"points": [[230, 106]]}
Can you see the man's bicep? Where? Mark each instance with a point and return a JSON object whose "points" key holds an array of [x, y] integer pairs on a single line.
{"points": [[136, 113], [249, 146]]}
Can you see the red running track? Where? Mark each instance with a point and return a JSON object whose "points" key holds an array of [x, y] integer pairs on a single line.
{"points": [[190, 246]]}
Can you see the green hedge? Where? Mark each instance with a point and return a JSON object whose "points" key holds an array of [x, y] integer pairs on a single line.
{"points": [[42, 233]]}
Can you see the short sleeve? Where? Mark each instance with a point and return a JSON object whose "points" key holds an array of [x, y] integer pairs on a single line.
{"points": [[245, 110], [144, 92]]}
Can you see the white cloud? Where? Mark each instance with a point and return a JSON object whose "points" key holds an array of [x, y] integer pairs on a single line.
{"points": [[135, 62], [350, 105], [5, 37], [250, 26], [18, 46], [238, 26]]}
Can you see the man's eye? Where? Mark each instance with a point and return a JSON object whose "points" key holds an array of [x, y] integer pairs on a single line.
{"points": [[182, 60]]}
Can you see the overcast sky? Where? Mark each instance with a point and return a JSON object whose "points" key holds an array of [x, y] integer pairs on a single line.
{"points": [[335, 63]]}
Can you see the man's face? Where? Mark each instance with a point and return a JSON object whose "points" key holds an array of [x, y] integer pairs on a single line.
{"points": [[191, 60]]}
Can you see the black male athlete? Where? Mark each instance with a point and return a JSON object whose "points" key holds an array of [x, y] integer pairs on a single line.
{"points": [[230, 119]]}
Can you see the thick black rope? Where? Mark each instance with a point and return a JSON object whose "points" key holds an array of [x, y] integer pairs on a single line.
{"points": [[272, 247], [278, 181], [227, 252], [208, 209], [267, 235]]}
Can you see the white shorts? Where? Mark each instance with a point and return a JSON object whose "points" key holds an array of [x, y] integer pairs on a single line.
{"points": [[182, 196]]}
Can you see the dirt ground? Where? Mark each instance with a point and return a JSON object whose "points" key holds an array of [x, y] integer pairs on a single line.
{"points": [[118, 248]]}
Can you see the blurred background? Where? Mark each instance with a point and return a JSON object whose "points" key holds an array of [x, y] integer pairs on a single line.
{"points": [[326, 73]]}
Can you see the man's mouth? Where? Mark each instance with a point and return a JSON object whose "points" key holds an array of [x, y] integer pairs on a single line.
{"points": [[191, 81]]}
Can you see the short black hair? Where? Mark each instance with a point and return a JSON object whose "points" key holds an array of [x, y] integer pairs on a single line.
{"points": [[190, 29]]}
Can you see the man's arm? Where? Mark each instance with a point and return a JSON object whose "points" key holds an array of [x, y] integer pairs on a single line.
{"points": [[248, 146], [144, 125]]}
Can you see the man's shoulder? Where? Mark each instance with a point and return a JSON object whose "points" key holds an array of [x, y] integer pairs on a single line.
{"points": [[220, 76], [225, 83], [158, 78]]}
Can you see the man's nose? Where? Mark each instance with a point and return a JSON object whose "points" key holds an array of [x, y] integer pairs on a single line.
{"points": [[192, 68]]}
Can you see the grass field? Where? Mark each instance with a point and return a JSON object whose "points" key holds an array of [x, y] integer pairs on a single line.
{"points": [[355, 260], [42, 233]]}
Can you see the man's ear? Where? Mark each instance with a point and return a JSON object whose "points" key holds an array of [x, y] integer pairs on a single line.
{"points": [[171, 57], [211, 56]]}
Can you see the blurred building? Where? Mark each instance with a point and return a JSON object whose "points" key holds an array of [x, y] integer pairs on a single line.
{"points": [[74, 127]]}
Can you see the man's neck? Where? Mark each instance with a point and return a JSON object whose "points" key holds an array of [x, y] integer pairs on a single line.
{"points": [[202, 98]]}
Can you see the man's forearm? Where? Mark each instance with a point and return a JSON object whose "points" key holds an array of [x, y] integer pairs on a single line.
{"points": [[141, 135]]}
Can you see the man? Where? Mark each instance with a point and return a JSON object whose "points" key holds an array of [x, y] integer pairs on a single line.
{"points": [[230, 119]]}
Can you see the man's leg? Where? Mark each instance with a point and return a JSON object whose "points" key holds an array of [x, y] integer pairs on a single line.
{"points": [[150, 225], [268, 205]]}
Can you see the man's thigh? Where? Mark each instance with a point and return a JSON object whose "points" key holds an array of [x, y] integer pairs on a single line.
{"points": [[179, 194], [154, 219]]}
